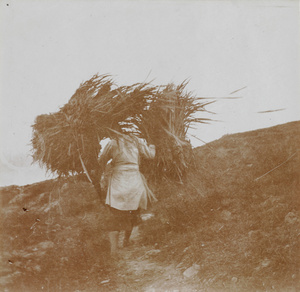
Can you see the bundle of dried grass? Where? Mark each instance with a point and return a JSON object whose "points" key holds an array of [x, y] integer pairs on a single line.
{"points": [[171, 113], [68, 142]]}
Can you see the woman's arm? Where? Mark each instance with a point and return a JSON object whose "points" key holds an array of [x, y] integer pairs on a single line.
{"points": [[106, 155], [147, 151]]}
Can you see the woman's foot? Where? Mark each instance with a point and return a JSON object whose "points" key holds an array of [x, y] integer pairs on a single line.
{"points": [[127, 243]]}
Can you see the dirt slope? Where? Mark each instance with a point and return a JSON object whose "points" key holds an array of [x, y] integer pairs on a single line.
{"points": [[237, 216], [232, 226]]}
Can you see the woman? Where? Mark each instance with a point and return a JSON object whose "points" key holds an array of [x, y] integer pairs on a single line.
{"points": [[127, 191]]}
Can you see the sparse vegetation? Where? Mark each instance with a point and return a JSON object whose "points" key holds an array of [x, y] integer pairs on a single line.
{"points": [[231, 224], [242, 231], [52, 237]]}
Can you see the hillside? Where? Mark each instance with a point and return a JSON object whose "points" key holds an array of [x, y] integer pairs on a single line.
{"points": [[232, 226]]}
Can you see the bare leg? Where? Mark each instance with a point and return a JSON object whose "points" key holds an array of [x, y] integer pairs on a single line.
{"points": [[113, 239], [126, 237]]}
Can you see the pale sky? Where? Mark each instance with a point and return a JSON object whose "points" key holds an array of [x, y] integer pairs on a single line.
{"points": [[49, 47]]}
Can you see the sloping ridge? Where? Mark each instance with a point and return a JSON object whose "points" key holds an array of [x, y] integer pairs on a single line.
{"points": [[236, 218]]}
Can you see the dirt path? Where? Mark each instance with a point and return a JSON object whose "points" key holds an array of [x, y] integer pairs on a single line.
{"points": [[137, 270]]}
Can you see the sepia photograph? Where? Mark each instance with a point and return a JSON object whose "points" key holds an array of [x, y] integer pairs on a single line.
{"points": [[149, 146]]}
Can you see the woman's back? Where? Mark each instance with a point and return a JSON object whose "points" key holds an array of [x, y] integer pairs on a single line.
{"points": [[127, 150]]}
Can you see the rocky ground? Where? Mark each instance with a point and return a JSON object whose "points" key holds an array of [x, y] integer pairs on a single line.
{"points": [[234, 225]]}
